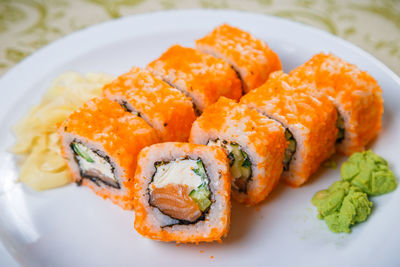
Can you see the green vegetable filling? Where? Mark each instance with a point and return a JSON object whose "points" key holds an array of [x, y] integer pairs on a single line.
{"points": [[340, 126], [239, 161], [201, 195], [290, 149], [79, 150], [240, 167]]}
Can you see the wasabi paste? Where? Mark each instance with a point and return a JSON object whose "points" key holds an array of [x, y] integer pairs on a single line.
{"points": [[346, 202]]}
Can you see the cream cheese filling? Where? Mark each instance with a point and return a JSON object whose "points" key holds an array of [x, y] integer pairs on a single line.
{"points": [[180, 171], [98, 163]]}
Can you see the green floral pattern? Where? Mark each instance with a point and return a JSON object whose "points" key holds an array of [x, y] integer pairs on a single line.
{"points": [[27, 25]]}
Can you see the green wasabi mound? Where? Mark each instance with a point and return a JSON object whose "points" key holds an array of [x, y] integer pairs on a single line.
{"points": [[369, 172], [346, 202], [341, 206]]}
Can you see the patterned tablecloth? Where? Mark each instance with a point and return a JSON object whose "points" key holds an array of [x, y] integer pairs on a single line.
{"points": [[26, 25]]}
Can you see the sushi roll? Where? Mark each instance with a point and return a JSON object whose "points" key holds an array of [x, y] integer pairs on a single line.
{"points": [[202, 77], [255, 146], [309, 122], [165, 108], [100, 143], [182, 193], [355, 93], [249, 56]]}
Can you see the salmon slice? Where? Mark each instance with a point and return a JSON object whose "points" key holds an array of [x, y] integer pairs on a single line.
{"points": [[174, 201], [96, 174]]}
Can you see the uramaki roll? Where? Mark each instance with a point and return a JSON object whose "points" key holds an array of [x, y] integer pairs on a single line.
{"points": [[255, 146], [310, 124], [165, 108], [202, 77], [251, 57], [355, 93], [182, 193], [100, 143]]}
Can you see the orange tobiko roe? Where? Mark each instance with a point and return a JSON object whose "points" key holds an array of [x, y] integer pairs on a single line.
{"points": [[143, 223], [121, 134], [252, 130], [165, 108], [355, 93], [293, 106], [203, 77], [251, 57]]}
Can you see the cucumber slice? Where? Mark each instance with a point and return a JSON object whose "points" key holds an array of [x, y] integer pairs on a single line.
{"points": [[235, 170], [236, 151], [245, 171], [78, 148], [231, 158], [200, 171], [292, 145], [201, 196], [246, 161], [241, 167], [239, 162], [290, 149]]}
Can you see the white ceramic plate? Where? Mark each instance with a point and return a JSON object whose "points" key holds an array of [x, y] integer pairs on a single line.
{"points": [[71, 226]]}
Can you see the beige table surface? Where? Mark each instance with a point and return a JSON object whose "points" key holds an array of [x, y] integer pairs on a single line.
{"points": [[27, 25]]}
